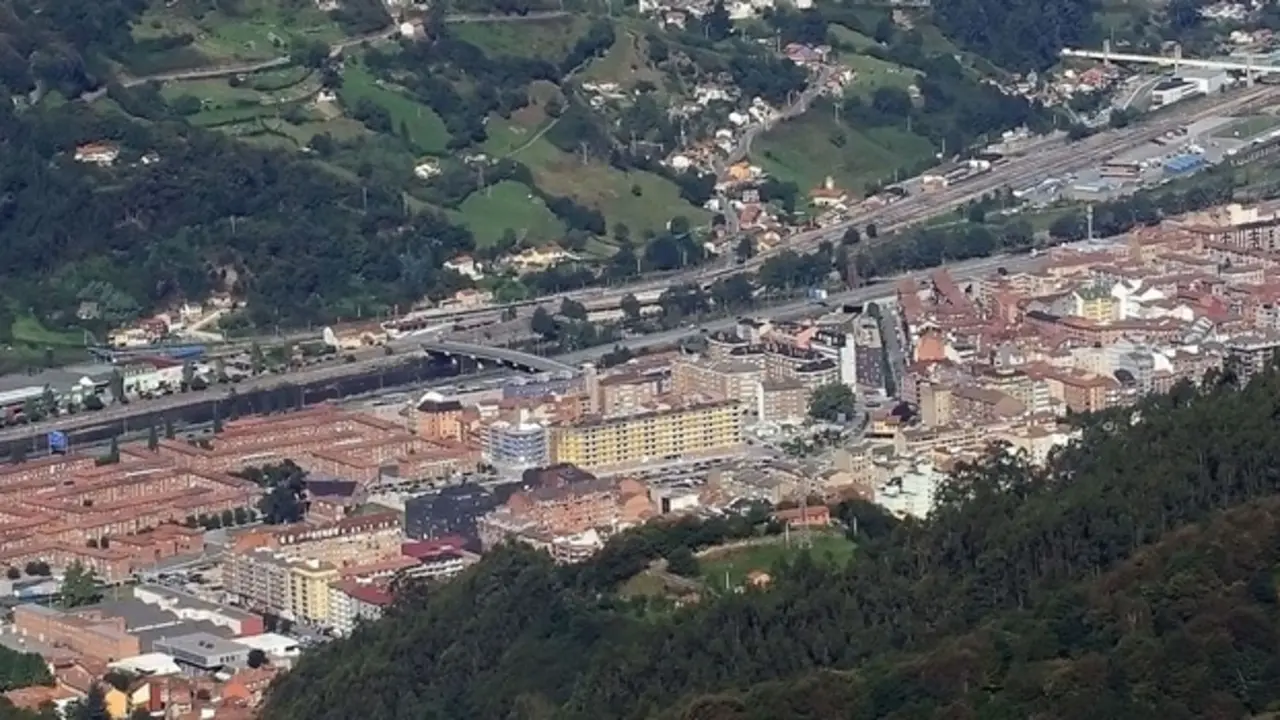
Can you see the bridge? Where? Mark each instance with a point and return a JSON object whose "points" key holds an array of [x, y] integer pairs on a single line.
{"points": [[1249, 67], [501, 356]]}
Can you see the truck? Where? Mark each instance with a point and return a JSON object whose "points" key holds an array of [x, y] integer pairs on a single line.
{"points": [[817, 294]]}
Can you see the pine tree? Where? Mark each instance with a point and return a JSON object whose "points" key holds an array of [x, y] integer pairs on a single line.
{"points": [[169, 432], [217, 419], [153, 439]]}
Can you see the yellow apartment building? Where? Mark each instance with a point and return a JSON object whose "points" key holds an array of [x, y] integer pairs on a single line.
{"points": [[309, 590], [1095, 303], [656, 436]]}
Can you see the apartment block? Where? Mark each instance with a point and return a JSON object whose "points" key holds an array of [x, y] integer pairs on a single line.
{"points": [[726, 379], [654, 436]]}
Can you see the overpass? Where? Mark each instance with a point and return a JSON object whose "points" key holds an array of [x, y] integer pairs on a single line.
{"points": [[1248, 67], [502, 356]]}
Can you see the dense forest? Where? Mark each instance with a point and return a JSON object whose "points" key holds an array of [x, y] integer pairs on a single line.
{"points": [[1133, 576], [304, 246], [1019, 36]]}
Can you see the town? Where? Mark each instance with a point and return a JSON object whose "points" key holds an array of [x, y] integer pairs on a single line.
{"points": [[187, 570]]}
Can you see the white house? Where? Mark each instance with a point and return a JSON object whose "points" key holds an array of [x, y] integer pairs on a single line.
{"points": [[465, 265], [99, 153]]}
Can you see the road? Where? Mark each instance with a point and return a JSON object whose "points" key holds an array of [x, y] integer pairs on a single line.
{"points": [[967, 270], [964, 270], [216, 71]]}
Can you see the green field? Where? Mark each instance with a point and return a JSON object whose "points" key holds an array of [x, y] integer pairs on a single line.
{"points": [[546, 39], [873, 73], [841, 35], [626, 63], [809, 148], [507, 204], [611, 191], [27, 329], [827, 547], [259, 30], [425, 128], [1245, 128]]}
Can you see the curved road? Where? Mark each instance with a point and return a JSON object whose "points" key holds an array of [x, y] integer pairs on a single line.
{"points": [[216, 71]]}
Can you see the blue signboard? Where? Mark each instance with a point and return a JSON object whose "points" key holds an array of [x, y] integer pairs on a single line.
{"points": [[58, 441]]}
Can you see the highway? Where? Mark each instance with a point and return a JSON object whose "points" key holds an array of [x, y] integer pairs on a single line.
{"points": [[407, 347], [967, 270]]}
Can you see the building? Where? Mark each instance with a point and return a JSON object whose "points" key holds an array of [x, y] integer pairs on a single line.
{"points": [[351, 601], [1251, 354], [726, 379], [452, 510], [513, 447], [441, 419], [205, 652], [438, 558], [309, 590], [783, 402], [656, 436], [1206, 80], [89, 634]]}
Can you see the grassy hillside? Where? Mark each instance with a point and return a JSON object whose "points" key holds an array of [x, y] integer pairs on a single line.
{"points": [[808, 149], [508, 205]]}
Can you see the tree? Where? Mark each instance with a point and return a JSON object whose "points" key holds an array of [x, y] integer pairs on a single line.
{"points": [[573, 309], [228, 518], [217, 419], [188, 374], [79, 586], [630, 307], [716, 24], [682, 562], [169, 432], [746, 249], [113, 453], [851, 236], [240, 516], [872, 231], [257, 360], [542, 323], [17, 452], [92, 707], [115, 385], [37, 568], [153, 439], [13, 573], [830, 402], [257, 658]]}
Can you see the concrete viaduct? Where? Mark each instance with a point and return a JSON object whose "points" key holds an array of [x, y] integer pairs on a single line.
{"points": [[502, 356]]}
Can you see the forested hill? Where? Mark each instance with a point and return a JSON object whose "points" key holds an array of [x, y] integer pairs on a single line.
{"points": [[1083, 590], [303, 245], [1019, 35]]}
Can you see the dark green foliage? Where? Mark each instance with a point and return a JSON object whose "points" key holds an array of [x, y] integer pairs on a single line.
{"points": [[285, 486], [19, 669], [1019, 35], [832, 402], [149, 233]]}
